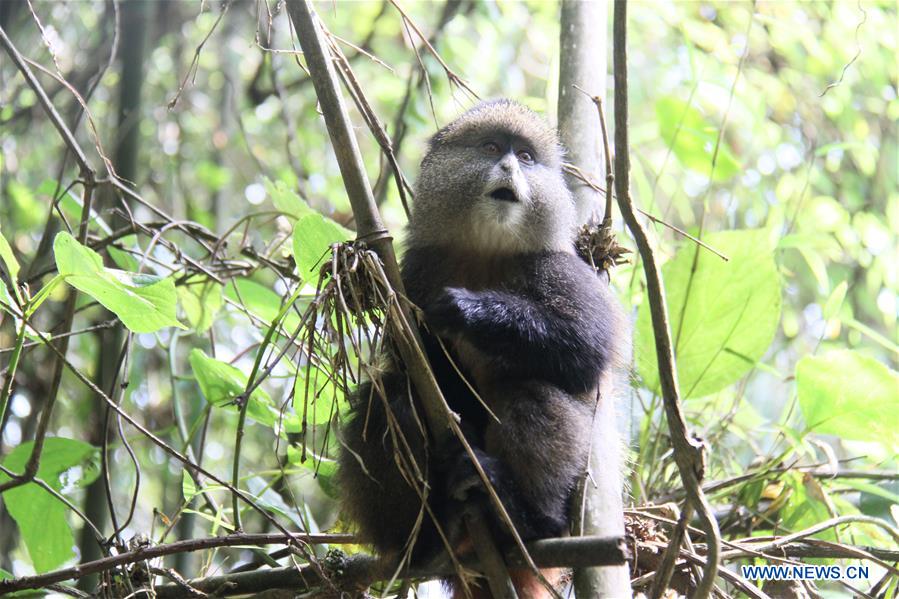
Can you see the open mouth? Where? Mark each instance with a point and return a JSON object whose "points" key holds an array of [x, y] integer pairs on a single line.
{"points": [[503, 194]]}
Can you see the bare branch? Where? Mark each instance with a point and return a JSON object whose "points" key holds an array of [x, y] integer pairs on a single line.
{"points": [[146, 553], [360, 570], [688, 451]]}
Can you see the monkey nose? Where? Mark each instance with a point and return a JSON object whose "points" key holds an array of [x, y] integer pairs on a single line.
{"points": [[508, 163]]}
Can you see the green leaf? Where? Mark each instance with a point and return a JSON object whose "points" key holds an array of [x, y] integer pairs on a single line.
{"points": [[144, 303], [692, 139], [9, 259], [872, 489], [12, 268], [41, 296], [8, 300], [188, 488], [850, 395], [312, 238], [41, 518], [323, 468], [817, 266], [222, 383], [125, 260], [723, 322], [287, 200], [201, 299], [806, 505]]}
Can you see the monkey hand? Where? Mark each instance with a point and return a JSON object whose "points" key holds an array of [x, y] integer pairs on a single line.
{"points": [[451, 311], [464, 482]]}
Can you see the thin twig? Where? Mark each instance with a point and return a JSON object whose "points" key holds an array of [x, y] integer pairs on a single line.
{"points": [[453, 77], [40, 435], [170, 450], [610, 175], [577, 172], [374, 125], [858, 52], [194, 63]]}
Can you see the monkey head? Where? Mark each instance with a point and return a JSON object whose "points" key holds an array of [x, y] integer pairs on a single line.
{"points": [[491, 181]]}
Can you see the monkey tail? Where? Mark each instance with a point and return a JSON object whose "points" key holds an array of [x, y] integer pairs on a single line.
{"points": [[527, 585]]}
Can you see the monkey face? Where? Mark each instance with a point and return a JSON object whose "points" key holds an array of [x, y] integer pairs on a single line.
{"points": [[505, 191], [508, 158], [492, 179]]}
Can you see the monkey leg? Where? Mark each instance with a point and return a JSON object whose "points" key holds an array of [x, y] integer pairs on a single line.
{"points": [[527, 586], [540, 443], [383, 468]]}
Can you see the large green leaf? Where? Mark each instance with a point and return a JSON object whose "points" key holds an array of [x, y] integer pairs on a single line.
{"points": [[144, 303], [312, 238], [286, 200], [850, 395], [692, 139], [722, 322], [41, 518], [221, 384]]}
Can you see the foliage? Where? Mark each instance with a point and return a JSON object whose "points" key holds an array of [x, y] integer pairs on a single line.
{"points": [[768, 130]]}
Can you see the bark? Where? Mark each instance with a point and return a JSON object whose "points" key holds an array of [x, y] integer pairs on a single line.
{"points": [[583, 62]]}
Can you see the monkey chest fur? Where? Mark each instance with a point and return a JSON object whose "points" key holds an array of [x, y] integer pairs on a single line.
{"points": [[538, 284]]}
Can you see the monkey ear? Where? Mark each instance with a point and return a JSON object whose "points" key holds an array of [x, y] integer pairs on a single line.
{"points": [[434, 140], [439, 137]]}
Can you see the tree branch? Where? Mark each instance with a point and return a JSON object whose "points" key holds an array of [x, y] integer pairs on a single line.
{"points": [[146, 553], [599, 497], [688, 451], [360, 570]]}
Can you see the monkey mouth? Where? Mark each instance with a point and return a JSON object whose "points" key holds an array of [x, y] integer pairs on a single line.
{"points": [[503, 194]]}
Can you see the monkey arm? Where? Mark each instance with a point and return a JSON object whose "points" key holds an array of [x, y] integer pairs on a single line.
{"points": [[564, 337]]}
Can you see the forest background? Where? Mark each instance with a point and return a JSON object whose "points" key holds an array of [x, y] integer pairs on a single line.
{"points": [[765, 129]]}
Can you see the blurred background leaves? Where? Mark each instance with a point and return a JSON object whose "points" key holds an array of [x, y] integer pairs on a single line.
{"points": [[768, 129]]}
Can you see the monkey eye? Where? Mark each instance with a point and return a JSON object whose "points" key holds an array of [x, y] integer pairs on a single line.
{"points": [[492, 148], [526, 157]]}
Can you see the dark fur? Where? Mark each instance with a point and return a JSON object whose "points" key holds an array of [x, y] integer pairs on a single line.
{"points": [[528, 323]]}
